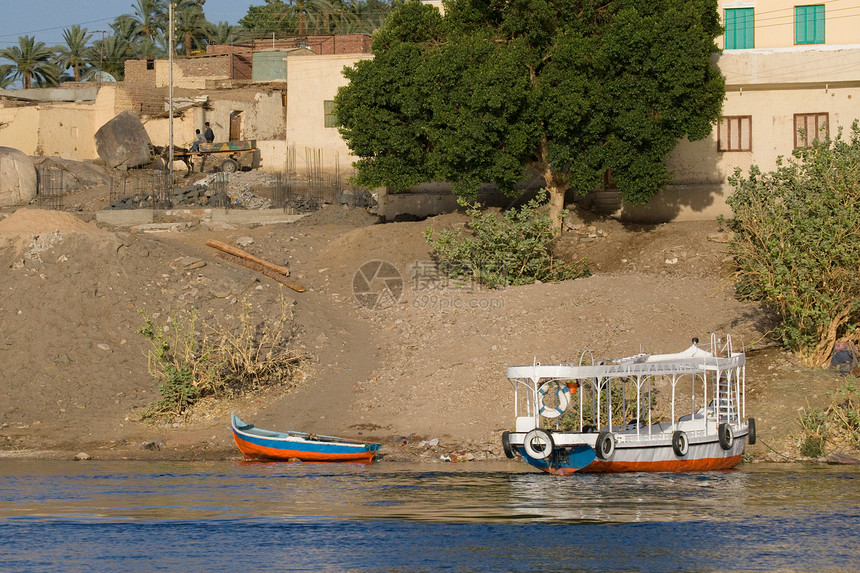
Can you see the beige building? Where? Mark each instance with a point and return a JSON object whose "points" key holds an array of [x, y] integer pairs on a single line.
{"points": [[792, 73], [311, 123]]}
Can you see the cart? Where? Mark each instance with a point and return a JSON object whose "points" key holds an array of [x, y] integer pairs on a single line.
{"points": [[227, 156]]}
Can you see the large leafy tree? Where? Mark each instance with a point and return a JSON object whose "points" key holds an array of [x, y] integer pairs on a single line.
{"points": [[570, 88], [73, 54], [32, 60]]}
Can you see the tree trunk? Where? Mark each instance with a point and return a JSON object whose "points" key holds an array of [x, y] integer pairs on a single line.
{"points": [[557, 188], [556, 207]]}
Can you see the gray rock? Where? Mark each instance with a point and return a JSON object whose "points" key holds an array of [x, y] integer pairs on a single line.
{"points": [[123, 142], [17, 178]]}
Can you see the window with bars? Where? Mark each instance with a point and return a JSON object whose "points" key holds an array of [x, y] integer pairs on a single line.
{"points": [[735, 133], [810, 126], [809, 24], [740, 28], [330, 113]]}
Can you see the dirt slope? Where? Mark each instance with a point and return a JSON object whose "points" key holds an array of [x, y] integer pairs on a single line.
{"points": [[430, 365]]}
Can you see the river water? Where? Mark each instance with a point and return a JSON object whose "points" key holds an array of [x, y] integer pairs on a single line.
{"points": [[228, 516]]}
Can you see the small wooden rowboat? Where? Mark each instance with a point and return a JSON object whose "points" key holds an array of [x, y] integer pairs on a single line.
{"points": [[266, 445]]}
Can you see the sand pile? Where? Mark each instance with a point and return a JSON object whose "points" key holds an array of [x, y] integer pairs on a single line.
{"points": [[38, 221]]}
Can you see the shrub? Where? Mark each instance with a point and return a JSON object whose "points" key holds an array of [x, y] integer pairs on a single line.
{"points": [[192, 361], [514, 249], [838, 426], [797, 245]]}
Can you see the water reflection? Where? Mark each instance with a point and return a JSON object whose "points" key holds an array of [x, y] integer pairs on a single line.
{"points": [[222, 490]]}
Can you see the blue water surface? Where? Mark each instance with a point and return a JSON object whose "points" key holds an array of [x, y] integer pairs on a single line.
{"points": [[223, 516]]}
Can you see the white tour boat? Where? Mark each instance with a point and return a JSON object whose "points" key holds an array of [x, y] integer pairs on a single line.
{"points": [[656, 413]]}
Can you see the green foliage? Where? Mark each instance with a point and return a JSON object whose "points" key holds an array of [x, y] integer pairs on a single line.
{"points": [[623, 406], [73, 53], [838, 426], [511, 250], [569, 89], [797, 244], [32, 61], [314, 17], [192, 361]]}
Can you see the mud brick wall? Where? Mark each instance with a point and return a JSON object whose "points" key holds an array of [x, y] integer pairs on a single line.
{"points": [[241, 68], [139, 93], [204, 66]]}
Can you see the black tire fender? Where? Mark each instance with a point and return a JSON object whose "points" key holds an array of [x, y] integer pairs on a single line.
{"points": [[726, 436], [604, 447], [680, 443], [506, 444], [751, 431]]}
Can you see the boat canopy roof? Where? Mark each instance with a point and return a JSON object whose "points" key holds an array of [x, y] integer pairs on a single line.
{"points": [[693, 360]]}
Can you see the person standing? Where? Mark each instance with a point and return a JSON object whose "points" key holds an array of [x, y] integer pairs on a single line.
{"points": [[209, 134]]}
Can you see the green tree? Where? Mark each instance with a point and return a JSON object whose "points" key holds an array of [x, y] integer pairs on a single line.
{"points": [[191, 26], [571, 89], [74, 53], [797, 244], [32, 60], [263, 20]]}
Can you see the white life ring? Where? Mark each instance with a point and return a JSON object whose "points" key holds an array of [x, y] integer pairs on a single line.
{"points": [[561, 395], [538, 444]]}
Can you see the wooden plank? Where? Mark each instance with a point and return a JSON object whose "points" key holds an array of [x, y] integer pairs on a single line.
{"points": [[259, 268], [247, 256]]}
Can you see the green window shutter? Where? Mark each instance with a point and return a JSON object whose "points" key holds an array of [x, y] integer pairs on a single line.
{"points": [[809, 24], [740, 28], [329, 113]]}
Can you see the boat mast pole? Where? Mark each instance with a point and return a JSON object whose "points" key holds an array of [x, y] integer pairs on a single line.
{"points": [[170, 90]]}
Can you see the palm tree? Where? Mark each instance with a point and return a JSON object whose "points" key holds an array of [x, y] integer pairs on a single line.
{"points": [[109, 55], [151, 16], [32, 60], [73, 53], [371, 13], [191, 25], [127, 28], [224, 33]]}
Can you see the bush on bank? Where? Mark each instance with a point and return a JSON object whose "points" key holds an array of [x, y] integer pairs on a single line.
{"points": [[797, 244], [513, 249]]}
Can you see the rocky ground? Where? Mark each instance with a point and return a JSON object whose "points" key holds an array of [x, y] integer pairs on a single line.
{"points": [[423, 374]]}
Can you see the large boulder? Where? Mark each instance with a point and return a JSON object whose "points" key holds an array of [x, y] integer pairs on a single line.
{"points": [[123, 142], [17, 178]]}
